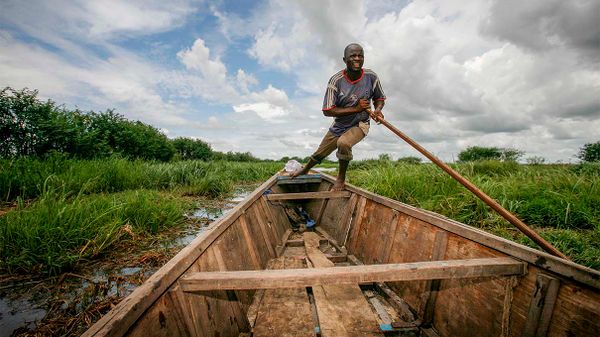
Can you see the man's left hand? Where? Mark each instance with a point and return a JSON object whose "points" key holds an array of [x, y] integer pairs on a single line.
{"points": [[377, 115]]}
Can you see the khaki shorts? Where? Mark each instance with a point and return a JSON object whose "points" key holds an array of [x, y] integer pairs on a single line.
{"points": [[343, 143]]}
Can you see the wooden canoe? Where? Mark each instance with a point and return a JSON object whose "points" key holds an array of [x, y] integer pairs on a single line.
{"points": [[371, 267]]}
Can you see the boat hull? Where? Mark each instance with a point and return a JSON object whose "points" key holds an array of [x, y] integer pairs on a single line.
{"points": [[554, 297]]}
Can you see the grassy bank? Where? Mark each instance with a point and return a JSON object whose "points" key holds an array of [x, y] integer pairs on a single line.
{"points": [[54, 233], [68, 210], [562, 202], [26, 178]]}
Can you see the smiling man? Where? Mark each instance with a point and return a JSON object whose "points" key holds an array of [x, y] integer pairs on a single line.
{"points": [[347, 98]]}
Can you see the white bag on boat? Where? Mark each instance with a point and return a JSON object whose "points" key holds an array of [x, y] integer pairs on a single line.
{"points": [[292, 165]]}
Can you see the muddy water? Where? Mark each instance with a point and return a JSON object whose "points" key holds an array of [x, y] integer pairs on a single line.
{"points": [[65, 303]]}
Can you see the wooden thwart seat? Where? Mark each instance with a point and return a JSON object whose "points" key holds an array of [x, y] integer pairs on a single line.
{"points": [[309, 195], [292, 278]]}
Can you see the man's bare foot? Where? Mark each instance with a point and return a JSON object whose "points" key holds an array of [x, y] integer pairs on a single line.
{"points": [[299, 172], [338, 186]]}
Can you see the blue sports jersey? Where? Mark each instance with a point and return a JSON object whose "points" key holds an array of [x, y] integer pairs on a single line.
{"points": [[342, 92]]}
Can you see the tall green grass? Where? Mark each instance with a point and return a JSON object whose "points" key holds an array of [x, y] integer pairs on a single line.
{"points": [[79, 208], [56, 231], [25, 177], [563, 201]]}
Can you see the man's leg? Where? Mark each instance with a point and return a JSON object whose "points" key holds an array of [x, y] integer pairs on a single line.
{"points": [[305, 168], [340, 182], [344, 154], [328, 144]]}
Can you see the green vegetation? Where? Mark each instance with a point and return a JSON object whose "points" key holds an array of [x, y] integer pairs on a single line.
{"points": [[30, 127], [560, 201], [55, 232], [475, 153], [80, 208], [26, 177], [590, 152]]}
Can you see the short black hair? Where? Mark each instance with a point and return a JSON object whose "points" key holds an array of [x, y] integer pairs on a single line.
{"points": [[352, 45]]}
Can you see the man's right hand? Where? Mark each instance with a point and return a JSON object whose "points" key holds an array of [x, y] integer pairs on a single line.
{"points": [[364, 104]]}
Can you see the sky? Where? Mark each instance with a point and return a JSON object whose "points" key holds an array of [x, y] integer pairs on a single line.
{"points": [[250, 76]]}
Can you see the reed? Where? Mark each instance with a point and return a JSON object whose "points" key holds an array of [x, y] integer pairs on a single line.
{"points": [[25, 177], [55, 232]]}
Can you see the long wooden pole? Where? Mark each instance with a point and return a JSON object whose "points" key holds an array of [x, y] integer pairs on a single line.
{"points": [[533, 235]]}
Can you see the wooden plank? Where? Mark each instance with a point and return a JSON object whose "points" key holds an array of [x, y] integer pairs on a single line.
{"points": [[302, 179], [265, 232], [197, 307], [352, 237], [429, 332], [309, 195], [121, 318], [284, 240], [285, 312], [278, 227], [402, 308], [322, 188], [438, 252], [541, 306], [292, 278], [235, 306], [342, 309], [344, 223], [166, 318], [335, 257], [384, 316], [321, 211], [253, 309], [250, 242], [374, 233], [389, 238], [300, 242], [211, 310], [272, 232], [331, 240], [258, 297]]}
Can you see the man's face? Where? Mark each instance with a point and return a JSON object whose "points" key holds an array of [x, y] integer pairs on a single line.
{"points": [[354, 58]]}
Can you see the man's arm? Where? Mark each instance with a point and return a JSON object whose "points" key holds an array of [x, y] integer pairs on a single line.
{"points": [[362, 105], [377, 112]]}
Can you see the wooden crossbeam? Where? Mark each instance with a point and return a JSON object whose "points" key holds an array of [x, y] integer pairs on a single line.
{"points": [[309, 195], [292, 278], [303, 179]]}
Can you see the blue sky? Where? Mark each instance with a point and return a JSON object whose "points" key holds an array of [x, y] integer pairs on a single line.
{"points": [[250, 75]]}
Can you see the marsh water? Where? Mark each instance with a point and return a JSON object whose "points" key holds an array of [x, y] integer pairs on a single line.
{"points": [[71, 300]]}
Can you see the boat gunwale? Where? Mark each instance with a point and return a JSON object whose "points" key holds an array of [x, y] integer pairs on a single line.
{"points": [[565, 268], [124, 315]]}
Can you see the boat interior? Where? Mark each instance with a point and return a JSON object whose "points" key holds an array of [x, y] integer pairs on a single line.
{"points": [[296, 259]]}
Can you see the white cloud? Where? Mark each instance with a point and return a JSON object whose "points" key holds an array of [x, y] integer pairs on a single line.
{"points": [[270, 104], [441, 74], [245, 80], [109, 17], [198, 58], [456, 73]]}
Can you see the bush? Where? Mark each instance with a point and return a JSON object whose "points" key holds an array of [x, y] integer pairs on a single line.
{"points": [[30, 127], [590, 152], [410, 160], [188, 148], [475, 153]]}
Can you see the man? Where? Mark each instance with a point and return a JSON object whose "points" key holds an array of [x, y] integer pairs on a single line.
{"points": [[347, 99]]}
